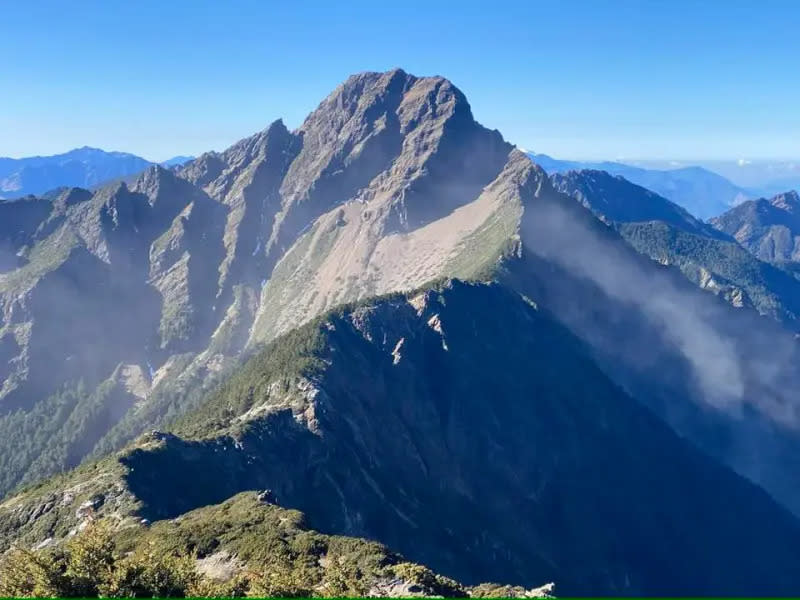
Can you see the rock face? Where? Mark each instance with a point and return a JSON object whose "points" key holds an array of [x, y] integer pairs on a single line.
{"points": [[488, 448], [770, 229], [388, 185], [127, 305], [179, 271], [19, 222]]}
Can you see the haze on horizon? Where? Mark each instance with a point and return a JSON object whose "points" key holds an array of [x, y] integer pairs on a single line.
{"points": [[632, 79]]}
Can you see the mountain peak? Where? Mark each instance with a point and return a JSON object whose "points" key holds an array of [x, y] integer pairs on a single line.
{"points": [[260, 142], [356, 94], [768, 228], [156, 182], [277, 126], [153, 174], [371, 94], [389, 185], [176, 161], [372, 78], [92, 153], [69, 196], [788, 201]]}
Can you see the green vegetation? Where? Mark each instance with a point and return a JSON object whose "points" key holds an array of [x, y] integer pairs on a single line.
{"points": [[89, 565], [480, 252], [177, 321], [77, 422], [54, 435], [273, 369], [45, 256], [289, 357], [241, 547], [24, 435], [770, 290], [173, 397], [522, 409]]}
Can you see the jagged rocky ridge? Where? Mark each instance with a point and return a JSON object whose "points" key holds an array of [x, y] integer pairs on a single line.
{"points": [[166, 284], [169, 279], [488, 448]]}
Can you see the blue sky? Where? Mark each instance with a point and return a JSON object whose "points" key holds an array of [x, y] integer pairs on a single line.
{"points": [[580, 79]]}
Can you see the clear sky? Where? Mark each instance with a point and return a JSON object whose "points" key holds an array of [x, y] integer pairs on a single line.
{"points": [[575, 79]]}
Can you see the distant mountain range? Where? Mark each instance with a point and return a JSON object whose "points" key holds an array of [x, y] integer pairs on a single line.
{"points": [[701, 190], [703, 193], [403, 327], [177, 161], [761, 177], [83, 167]]}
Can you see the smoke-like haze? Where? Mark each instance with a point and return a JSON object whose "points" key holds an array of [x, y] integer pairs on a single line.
{"points": [[729, 351], [703, 365]]}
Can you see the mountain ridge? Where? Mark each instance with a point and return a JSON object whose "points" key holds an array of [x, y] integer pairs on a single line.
{"points": [[284, 247], [294, 421], [136, 241], [702, 192], [84, 167], [768, 228], [181, 275], [710, 258]]}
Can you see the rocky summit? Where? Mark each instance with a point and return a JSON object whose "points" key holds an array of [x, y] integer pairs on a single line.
{"points": [[172, 277], [401, 326], [767, 228]]}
